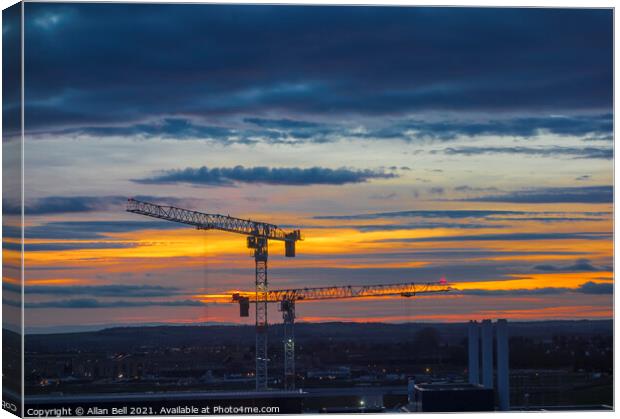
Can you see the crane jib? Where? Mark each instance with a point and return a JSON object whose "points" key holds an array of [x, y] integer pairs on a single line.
{"points": [[408, 289], [205, 221]]}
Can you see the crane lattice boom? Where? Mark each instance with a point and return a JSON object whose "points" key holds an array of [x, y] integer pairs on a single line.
{"points": [[206, 221], [409, 289], [351, 291]]}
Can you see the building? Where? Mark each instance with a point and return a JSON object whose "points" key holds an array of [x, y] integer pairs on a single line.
{"points": [[452, 398]]}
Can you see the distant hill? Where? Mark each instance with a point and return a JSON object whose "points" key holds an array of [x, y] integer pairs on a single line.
{"points": [[133, 338]]}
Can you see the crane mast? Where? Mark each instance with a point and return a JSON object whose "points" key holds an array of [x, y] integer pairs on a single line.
{"points": [[258, 236], [287, 298]]}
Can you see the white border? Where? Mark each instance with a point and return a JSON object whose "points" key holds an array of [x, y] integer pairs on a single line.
{"points": [[479, 3]]}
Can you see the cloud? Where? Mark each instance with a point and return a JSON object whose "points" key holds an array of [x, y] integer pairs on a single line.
{"points": [[115, 290], [287, 131], [525, 127], [437, 190], [490, 215], [11, 302], [553, 151], [281, 123], [585, 288], [582, 194], [331, 62], [405, 226], [583, 177], [65, 204], [452, 214], [84, 230], [595, 288], [170, 128], [228, 176], [467, 188], [90, 303], [550, 219], [514, 292], [579, 265], [72, 204], [417, 226], [274, 131], [384, 197], [578, 125], [43, 247], [507, 237]]}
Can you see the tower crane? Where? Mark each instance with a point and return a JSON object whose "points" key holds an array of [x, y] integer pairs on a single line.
{"points": [[287, 298], [258, 236]]}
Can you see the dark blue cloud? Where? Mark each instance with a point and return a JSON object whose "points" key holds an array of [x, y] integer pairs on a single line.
{"points": [[70, 204], [596, 288], [177, 128], [464, 270], [515, 292], [499, 216], [11, 302], [228, 176], [548, 219], [585, 288], [579, 265], [582, 194], [405, 226], [116, 290], [452, 214], [64, 204], [506, 236], [467, 188], [90, 303], [83, 230], [251, 131], [598, 126], [417, 226], [282, 123], [554, 151], [289, 130], [42, 247], [210, 62]]}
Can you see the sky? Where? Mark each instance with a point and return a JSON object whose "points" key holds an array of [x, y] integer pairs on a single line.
{"points": [[408, 144]]}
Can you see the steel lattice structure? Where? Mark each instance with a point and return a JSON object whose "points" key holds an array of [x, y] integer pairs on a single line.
{"points": [[258, 236], [356, 291], [288, 297], [205, 221], [405, 289]]}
